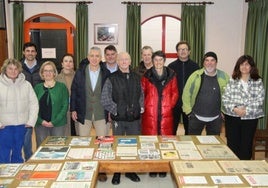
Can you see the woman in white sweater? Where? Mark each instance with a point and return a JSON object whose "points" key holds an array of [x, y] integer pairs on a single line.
{"points": [[19, 109]]}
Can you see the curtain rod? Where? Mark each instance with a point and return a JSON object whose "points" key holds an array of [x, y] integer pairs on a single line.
{"points": [[26, 1], [136, 2]]}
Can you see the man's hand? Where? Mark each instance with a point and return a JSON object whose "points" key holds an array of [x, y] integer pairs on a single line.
{"points": [[74, 116]]}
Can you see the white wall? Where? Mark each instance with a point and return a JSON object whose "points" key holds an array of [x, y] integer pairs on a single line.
{"points": [[225, 24]]}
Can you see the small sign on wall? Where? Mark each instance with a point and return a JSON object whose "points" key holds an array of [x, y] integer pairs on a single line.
{"points": [[48, 53]]}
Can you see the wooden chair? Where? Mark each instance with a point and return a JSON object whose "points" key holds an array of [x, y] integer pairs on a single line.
{"points": [[260, 142]]}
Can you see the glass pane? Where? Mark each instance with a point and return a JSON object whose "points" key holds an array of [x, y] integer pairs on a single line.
{"points": [[56, 40], [152, 26], [48, 19], [173, 31]]}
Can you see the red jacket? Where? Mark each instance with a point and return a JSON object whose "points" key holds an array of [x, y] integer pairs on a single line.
{"points": [[157, 118]]}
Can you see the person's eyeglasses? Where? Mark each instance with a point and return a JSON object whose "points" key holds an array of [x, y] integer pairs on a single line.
{"points": [[48, 71]]}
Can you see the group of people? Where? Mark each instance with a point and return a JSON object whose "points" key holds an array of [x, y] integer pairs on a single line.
{"points": [[150, 99]]}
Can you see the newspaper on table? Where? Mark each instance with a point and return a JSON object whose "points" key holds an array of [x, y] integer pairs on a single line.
{"points": [[9, 170], [196, 167], [80, 153], [256, 179], [244, 166], [208, 139], [216, 152]]}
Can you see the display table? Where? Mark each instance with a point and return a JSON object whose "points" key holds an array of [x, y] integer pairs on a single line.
{"points": [[115, 154], [220, 173]]}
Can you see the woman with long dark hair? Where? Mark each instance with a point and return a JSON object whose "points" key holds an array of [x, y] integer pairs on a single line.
{"points": [[243, 106]]}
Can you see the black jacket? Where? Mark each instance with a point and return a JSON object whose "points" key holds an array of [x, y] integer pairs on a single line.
{"points": [[78, 89], [126, 94], [32, 77], [183, 71]]}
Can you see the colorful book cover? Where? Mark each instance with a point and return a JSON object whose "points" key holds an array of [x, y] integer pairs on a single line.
{"points": [[127, 141], [80, 141], [57, 140], [104, 139], [51, 152], [44, 175]]}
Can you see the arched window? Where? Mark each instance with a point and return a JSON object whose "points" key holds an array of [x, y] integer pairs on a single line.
{"points": [[162, 32]]}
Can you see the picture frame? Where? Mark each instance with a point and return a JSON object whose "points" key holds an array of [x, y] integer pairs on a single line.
{"points": [[105, 33], [2, 15]]}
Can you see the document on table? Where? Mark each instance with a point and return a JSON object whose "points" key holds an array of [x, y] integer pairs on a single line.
{"points": [[216, 152], [196, 167], [245, 166], [256, 179], [80, 153], [192, 180], [208, 139], [71, 184], [226, 180], [185, 145], [126, 151], [190, 155], [148, 138]]}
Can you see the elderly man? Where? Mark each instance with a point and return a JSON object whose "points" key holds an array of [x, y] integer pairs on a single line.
{"points": [[122, 96]]}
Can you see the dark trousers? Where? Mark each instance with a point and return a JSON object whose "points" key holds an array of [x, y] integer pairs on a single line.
{"points": [[177, 113], [196, 126], [127, 128], [240, 134], [73, 131]]}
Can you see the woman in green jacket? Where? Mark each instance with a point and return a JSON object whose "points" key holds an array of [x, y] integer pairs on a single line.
{"points": [[53, 104]]}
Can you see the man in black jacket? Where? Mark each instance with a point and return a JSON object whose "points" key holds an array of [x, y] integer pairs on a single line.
{"points": [[30, 67], [184, 67], [86, 91], [122, 96]]}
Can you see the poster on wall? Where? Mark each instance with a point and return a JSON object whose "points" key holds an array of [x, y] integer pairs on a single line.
{"points": [[2, 15], [105, 33]]}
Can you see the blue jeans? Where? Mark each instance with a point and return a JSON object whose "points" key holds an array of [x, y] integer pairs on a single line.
{"points": [[11, 143], [27, 145]]}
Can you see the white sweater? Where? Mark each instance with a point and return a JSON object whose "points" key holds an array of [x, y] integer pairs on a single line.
{"points": [[18, 102]]}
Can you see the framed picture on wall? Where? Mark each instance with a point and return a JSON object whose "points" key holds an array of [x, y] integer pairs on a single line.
{"points": [[105, 33], [2, 15]]}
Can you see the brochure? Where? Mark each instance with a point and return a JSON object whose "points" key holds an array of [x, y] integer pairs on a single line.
{"points": [[80, 141], [57, 140], [51, 152], [127, 141], [8, 170]]}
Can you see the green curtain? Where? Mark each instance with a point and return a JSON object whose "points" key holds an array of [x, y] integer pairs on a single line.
{"points": [[18, 19], [193, 30], [256, 42], [133, 33], [81, 32]]}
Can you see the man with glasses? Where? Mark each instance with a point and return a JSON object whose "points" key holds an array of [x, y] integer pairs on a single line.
{"points": [[184, 67]]}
